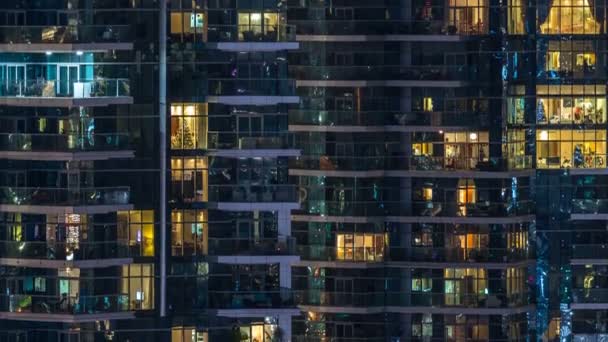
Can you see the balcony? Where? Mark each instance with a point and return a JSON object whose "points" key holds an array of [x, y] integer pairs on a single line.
{"points": [[590, 251], [416, 163], [251, 33], [53, 93], [477, 209], [254, 140], [235, 246], [386, 75], [386, 27], [593, 296], [385, 119], [420, 209], [379, 300], [251, 87], [590, 206], [253, 193], [276, 299], [413, 254], [64, 200], [48, 308], [54, 254], [70, 146], [65, 38]]}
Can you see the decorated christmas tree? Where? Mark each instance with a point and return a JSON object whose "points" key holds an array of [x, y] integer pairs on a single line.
{"points": [[183, 138]]}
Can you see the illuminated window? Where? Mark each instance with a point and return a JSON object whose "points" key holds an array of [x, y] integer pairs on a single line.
{"points": [[570, 58], [517, 239], [427, 104], [463, 328], [569, 17], [422, 284], [188, 126], [188, 334], [258, 332], [469, 245], [567, 104], [568, 148], [422, 149], [360, 247], [515, 149], [464, 286], [189, 179], [516, 110], [427, 193], [517, 17], [12, 223], [188, 232], [516, 281], [137, 227], [255, 26], [464, 150], [422, 325], [189, 26], [422, 237], [468, 16], [138, 283], [467, 194]]}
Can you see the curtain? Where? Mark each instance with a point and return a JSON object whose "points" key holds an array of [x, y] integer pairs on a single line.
{"points": [[543, 11], [597, 13]]}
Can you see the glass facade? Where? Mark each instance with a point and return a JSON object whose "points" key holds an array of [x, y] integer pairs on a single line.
{"points": [[303, 170]]}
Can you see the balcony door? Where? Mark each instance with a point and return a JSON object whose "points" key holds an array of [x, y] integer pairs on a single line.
{"points": [[67, 75], [12, 78], [344, 291], [249, 125], [67, 18]]}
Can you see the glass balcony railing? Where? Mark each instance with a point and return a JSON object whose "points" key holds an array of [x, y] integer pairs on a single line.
{"points": [[593, 295], [386, 27], [251, 33], [64, 196], [251, 87], [416, 163], [420, 209], [99, 87], [66, 34], [589, 206], [421, 254], [60, 250], [386, 72], [256, 140], [253, 193], [478, 209], [66, 305], [430, 299], [387, 118], [590, 251], [63, 142], [234, 246], [251, 299]]}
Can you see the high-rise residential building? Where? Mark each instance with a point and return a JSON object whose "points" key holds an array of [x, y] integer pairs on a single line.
{"points": [[303, 170]]}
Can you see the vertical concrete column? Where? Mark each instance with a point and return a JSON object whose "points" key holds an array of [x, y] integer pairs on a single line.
{"points": [[284, 223], [285, 275], [285, 325]]}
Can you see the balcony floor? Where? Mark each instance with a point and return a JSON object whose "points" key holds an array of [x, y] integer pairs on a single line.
{"points": [[64, 47], [64, 102], [66, 156], [63, 318]]}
